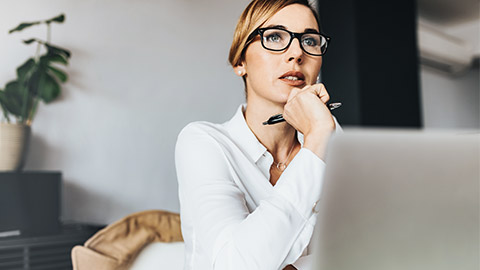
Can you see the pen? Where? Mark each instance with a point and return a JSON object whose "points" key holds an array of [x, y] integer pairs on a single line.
{"points": [[279, 117]]}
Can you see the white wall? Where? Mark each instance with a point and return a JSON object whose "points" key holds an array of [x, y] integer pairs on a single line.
{"points": [[140, 71], [450, 102], [468, 31]]}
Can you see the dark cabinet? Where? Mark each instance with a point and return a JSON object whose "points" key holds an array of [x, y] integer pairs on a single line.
{"points": [[30, 211], [49, 252]]}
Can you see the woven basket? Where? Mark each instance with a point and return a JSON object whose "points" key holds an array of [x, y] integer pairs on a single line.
{"points": [[14, 140]]}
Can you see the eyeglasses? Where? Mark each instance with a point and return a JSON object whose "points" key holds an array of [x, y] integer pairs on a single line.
{"points": [[275, 39]]}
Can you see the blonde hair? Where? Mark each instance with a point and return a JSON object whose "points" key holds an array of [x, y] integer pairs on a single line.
{"points": [[255, 15]]}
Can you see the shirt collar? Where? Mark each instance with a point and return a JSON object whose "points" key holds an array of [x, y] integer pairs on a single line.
{"points": [[243, 136]]}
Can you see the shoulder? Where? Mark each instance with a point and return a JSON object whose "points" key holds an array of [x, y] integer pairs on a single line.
{"points": [[200, 130], [200, 150], [202, 137]]}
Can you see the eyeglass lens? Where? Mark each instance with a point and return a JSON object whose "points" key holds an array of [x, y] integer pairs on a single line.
{"points": [[277, 39]]}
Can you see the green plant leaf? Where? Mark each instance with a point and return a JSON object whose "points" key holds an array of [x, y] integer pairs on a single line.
{"points": [[22, 26], [28, 41], [25, 68], [12, 89], [33, 83], [62, 76], [49, 89], [59, 19], [12, 98], [19, 99], [54, 50], [53, 58], [2, 105]]}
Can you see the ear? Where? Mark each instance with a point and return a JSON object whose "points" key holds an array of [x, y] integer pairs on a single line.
{"points": [[240, 70]]}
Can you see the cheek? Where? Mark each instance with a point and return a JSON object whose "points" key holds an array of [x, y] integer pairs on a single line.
{"points": [[315, 67], [317, 64], [260, 66]]}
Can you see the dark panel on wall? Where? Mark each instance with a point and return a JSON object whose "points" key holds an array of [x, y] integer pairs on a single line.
{"points": [[30, 202], [372, 63], [339, 68]]}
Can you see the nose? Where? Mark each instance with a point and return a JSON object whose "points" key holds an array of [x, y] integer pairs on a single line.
{"points": [[294, 52]]}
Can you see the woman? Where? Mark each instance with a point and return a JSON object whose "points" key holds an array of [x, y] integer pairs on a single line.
{"points": [[248, 191]]}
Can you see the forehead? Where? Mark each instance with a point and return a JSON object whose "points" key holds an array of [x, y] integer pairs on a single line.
{"points": [[295, 17]]}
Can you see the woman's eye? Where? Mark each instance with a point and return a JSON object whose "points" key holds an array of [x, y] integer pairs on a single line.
{"points": [[273, 38], [310, 42]]}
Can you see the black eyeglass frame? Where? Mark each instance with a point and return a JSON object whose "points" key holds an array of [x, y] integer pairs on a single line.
{"points": [[260, 31]]}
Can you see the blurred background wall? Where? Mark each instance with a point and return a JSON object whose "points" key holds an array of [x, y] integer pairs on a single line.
{"points": [[449, 34], [141, 70]]}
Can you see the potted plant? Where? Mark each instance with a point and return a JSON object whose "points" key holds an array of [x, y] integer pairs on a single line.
{"points": [[38, 79]]}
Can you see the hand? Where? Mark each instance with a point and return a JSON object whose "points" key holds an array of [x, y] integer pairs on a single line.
{"points": [[307, 113], [306, 110]]}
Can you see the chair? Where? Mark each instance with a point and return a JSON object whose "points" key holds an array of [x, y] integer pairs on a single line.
{"points": [[118, 245]]}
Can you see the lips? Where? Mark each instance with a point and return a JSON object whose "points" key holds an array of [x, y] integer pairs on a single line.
{"points": [[293, 78]]}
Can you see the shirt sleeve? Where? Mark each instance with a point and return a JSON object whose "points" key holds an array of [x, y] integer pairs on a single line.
{"points": [[338, 128], [304, 263], [231, 236]]}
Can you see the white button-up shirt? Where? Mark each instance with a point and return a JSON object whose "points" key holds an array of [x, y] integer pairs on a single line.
{"points": [[232, 217]]}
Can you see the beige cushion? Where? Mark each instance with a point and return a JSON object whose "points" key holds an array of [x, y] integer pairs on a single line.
{"points": [[117, 245]]}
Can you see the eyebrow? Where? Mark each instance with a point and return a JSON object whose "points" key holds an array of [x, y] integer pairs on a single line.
{"points": [[279, 26]]}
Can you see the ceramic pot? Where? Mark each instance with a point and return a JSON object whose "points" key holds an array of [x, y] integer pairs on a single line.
{"points": [[14, 141]]}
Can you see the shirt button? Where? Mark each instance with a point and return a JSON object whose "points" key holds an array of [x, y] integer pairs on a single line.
{"points": [[316, 207]]}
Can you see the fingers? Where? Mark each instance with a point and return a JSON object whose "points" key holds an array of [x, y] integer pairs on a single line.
{"points": [[321, 92], [317, 89]]}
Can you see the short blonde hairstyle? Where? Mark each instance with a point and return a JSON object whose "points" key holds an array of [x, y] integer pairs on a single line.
{"points": [[255, 15]]}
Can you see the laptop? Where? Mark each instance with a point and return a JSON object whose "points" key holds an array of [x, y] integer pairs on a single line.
{"points": [[399, 199]]}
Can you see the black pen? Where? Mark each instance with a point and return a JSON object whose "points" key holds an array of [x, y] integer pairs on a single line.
{"points": [[279, 117]]}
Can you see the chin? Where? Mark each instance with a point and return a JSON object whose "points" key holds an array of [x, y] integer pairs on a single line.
{"points": [[283, 92], [281, 97]]}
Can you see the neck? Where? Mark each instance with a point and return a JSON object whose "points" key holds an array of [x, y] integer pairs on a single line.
{"points": [[278, 138]]}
